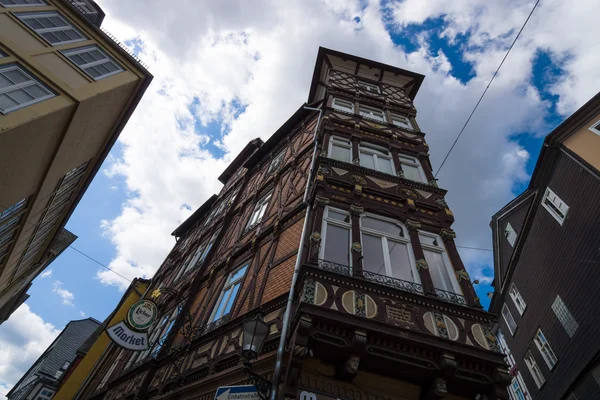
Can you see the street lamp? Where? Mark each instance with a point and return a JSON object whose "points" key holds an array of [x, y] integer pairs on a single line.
{"points": [[254, 335]]}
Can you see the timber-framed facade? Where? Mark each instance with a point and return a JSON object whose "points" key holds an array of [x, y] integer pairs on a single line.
{"points": [[383, 306]]}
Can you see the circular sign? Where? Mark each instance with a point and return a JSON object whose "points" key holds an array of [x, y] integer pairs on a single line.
{"points": [[142, 314]]}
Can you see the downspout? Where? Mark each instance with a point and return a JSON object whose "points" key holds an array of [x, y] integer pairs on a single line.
{"points": [[290, 300]]}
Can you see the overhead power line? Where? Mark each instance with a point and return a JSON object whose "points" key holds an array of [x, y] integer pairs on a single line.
{"points": [[486, 89], [80, 252]]}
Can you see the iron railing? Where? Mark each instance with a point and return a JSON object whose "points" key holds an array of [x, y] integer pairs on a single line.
{"points": [[95, 19], [395, 283], [215, 324], [334, 267], [451, 297]]}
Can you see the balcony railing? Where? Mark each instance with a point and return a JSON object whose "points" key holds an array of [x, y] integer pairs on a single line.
{"points": [[392, 282], [395, 283], [451, 297], [334, 267]]}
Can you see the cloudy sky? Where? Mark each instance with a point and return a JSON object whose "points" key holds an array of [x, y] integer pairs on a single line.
{"points": [[227, 72]]}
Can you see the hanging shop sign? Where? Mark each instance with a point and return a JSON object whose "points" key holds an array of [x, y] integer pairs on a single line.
{"points": [[127, 338], [142, 314], [131, 333]]}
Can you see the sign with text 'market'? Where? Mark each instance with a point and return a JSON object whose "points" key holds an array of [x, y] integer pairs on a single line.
{"points": [[127, 338], [131, 333]]}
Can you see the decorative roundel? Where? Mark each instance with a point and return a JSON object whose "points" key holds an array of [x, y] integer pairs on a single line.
{"points": [[142, 314]]}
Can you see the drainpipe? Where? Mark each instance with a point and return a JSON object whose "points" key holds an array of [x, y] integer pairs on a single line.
{"points": [[290, 300]]}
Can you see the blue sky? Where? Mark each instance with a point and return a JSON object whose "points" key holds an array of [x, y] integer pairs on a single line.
{"points": [[227, 74]]}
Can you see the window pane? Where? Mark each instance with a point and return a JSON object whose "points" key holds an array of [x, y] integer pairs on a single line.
{"points": [[6, 102], [4, 82], [338, 216], [234, 293], [20, 96], [367, 160], [222, 304], [438, 270], [428, 240], [382, 226], [373, 260], [238, 274], [411, 172], [340, 153], [385, 165], [400, 261], [15, 76], [35, 91], [337, 245]]}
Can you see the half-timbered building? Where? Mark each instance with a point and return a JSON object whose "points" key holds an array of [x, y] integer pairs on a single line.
{"points": [[339, 207]]}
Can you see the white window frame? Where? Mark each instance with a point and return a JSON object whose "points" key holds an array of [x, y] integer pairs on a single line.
{"points": [[341, 224], [413, 162], [510, 234], [534, 369], [369, 87], [110, 371], [375, 151], [87, 49], [40, 31], [553, 198], [276, 162], [259, 211], [441, 249], [595, 128], [340, 142], [36, 3], [517, 298], [401, 121], [338, 104], [198, 257], [504, 315], [564, 316], [386, 237], [45, 393], [228, 285], [22, 86], [373, 113], [545, 349]]}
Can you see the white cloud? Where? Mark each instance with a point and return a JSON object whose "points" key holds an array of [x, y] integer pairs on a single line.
{"points": [[46, 274], [207, 56], [66, 296], [23, 338], [82, 313]]}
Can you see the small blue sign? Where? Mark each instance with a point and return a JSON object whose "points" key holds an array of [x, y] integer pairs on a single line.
{"points": [[245, 392]]}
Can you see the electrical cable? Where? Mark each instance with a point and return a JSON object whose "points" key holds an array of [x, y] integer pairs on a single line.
{"points": [[486, 89]]}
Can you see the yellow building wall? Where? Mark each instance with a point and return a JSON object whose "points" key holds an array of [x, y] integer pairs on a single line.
{"points": [[586, 144], [69, 388]]}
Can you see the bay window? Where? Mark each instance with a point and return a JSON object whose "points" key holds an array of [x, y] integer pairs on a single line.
{"points": [[228, 294], [340, 149], [343, 105], [411, 167], [336, 236], [386, 249], [372, 113], [377, 158], [440, 268]]}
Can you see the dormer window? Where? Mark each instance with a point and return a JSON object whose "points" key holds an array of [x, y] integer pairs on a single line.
{"points": [[369, 87]]}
